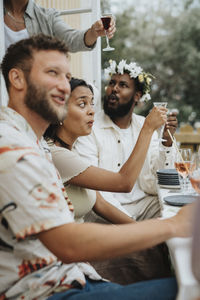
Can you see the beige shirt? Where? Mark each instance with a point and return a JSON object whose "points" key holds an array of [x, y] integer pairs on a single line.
{"points": [[69, 165]]}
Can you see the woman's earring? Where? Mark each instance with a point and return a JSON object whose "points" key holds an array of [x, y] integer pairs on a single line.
{"points": [[61, 123]]}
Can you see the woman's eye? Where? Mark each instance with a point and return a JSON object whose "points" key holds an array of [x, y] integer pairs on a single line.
{"points": [[82, 105]]}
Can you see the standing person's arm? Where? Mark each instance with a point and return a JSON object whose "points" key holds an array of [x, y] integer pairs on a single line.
{"points": [[97, 30], [78, 40], [87, 242]]}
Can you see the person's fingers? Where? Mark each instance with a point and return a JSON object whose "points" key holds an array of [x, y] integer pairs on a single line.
{"points": [[98, 25]]}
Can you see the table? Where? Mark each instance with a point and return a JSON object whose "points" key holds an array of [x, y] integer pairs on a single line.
{"points": [[180, 252]]}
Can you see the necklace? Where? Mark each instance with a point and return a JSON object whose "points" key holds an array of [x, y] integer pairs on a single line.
{"points": [[61, 142], [13, 18]]}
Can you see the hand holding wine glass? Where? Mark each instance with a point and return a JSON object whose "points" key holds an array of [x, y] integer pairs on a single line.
{"points": [[106, 20], [156, 118], [171, 125], [160, 130]]}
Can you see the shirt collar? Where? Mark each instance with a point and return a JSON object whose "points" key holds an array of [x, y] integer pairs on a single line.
{"points": [[30, 9], [16, 120], [107, 122]]}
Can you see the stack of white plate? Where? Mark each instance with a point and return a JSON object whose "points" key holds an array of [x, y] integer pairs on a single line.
{"points": [[168, 178]]}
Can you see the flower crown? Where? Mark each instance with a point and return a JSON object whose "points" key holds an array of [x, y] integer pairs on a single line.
{"points": [[134, 71]]}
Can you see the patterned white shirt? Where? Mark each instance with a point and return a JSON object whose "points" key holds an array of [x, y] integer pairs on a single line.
{"points": [[32, 199]]}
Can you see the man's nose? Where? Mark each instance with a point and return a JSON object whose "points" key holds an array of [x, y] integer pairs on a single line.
{"points": [[64, 85], [115, 88]]}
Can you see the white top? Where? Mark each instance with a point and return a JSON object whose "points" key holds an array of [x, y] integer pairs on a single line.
{"points": [[69, 165], [12, 37], [32, 200], [105, 147], [128, 141]]}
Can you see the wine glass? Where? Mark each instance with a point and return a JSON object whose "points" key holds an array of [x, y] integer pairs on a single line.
{"points": [[194, 172], [183, 164], [106, 19], [161, 129]]}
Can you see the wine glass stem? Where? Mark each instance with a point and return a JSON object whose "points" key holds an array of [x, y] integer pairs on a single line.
{"points": [[107, 40], [161, 131], [184, 184]]}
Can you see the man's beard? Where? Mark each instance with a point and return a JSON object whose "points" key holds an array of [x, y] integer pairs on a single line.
{"points": [[120, 110], [37, 100]]}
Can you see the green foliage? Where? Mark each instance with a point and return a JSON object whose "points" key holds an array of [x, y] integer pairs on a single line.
{"points": [[165, 41]]}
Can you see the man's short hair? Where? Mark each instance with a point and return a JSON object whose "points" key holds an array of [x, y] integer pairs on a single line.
{"points": [[20, 54]]}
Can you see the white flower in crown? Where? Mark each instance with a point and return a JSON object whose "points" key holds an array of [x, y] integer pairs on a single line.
{"points": [[121, 67], [134, 69], [135, 72], [107, 74], [113, 66], [146, 97], [111, 69]]}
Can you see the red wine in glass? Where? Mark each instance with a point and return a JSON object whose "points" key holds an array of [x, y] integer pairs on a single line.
{"points": [[106, 22], [106, 19]]}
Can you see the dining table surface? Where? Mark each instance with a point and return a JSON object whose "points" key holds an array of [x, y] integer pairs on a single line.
{"points": [[180, 252]]}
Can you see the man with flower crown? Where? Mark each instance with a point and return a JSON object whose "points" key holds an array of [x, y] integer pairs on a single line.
{"points": [[115, 134]]}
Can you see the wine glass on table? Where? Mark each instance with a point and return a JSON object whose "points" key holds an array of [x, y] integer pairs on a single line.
{"points": [[161, 129], [184, 165], [194, 173], [106, 19]]}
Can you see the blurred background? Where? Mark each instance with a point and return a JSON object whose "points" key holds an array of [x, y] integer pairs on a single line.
{"points": [[163, 36]]}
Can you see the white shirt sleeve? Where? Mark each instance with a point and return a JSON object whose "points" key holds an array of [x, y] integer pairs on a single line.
{"points": [[87, 148]]}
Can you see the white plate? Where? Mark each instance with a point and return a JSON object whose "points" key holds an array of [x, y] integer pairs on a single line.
{"points": [[170, 186]]}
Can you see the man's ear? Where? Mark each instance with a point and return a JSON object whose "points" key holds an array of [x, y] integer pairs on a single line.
{"points": [[137, 96], [17, 79]]}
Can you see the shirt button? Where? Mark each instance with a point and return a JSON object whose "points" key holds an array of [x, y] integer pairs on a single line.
{"points": [[118, 141], [166, 164], [168, 151], [118, 164]]}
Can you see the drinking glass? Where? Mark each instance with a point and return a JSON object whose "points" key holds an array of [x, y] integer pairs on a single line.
{"points": [[161, 129], [106, 19], [194, 173], [183, 164]]}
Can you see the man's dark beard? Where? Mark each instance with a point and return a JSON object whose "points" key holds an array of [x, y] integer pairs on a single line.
{"points": [[36, 99], [117, 112]]}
